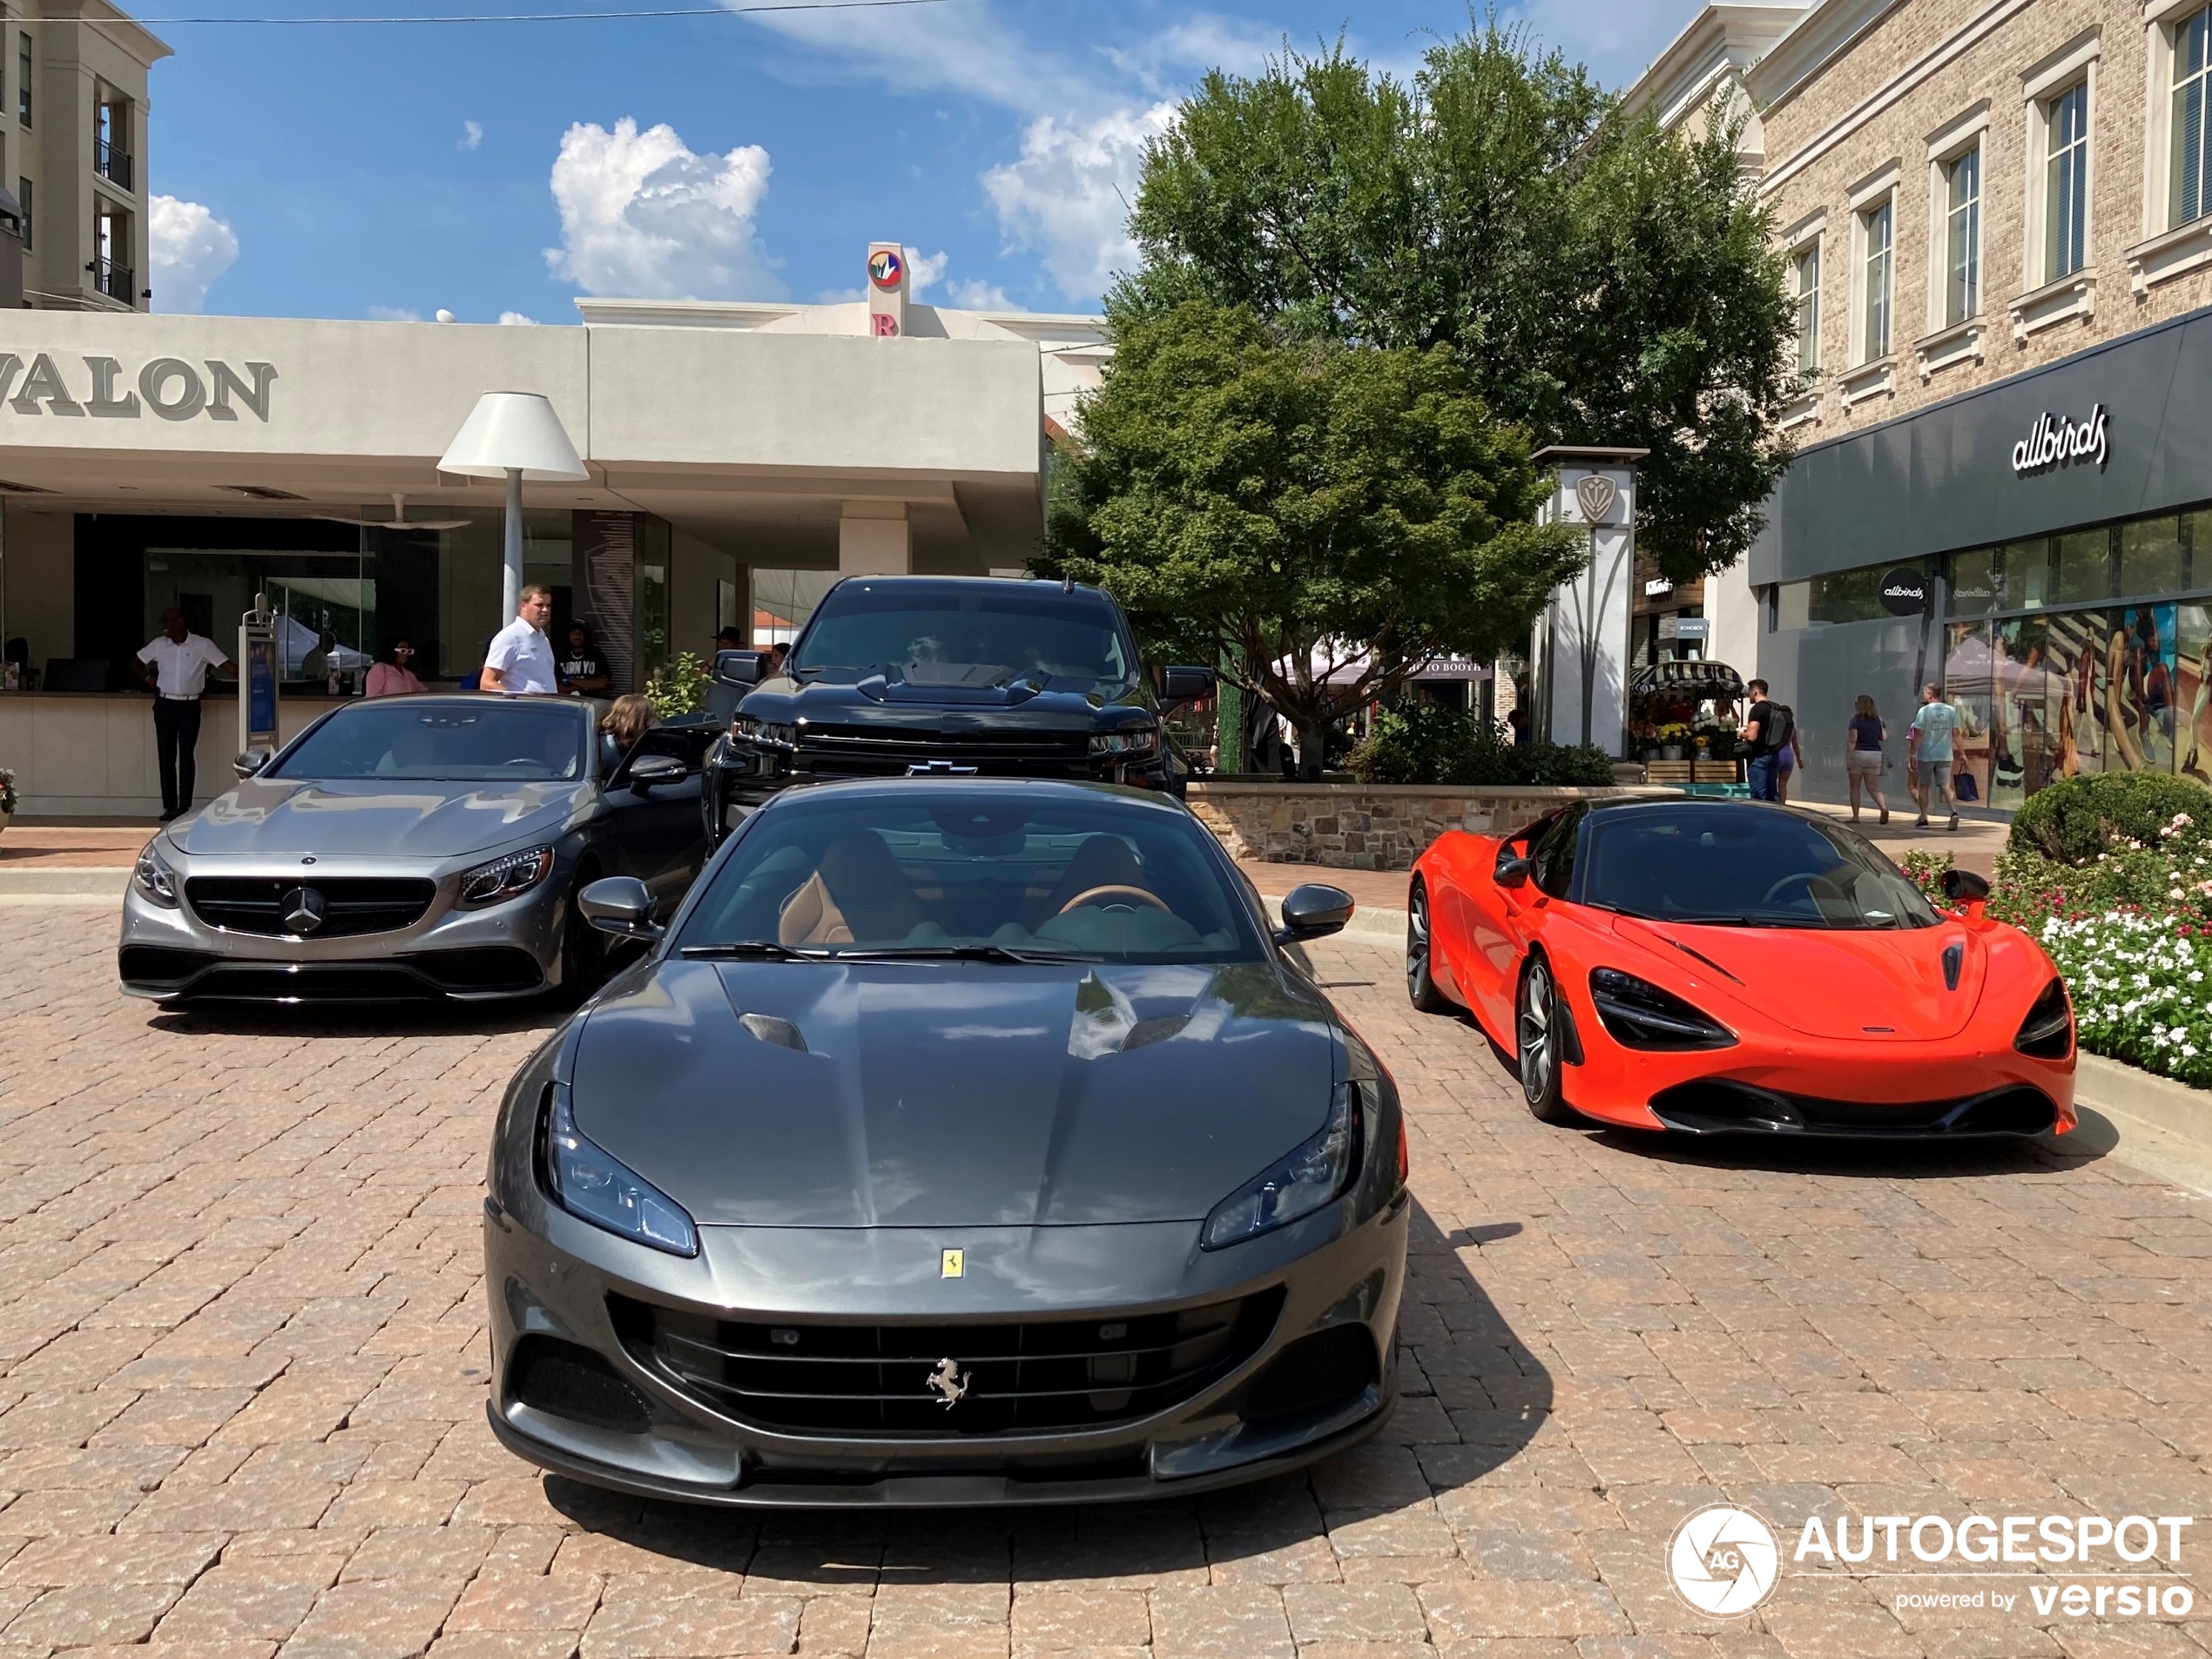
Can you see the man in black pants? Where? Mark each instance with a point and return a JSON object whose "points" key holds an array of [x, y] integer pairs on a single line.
{"points": [[175, 664]]}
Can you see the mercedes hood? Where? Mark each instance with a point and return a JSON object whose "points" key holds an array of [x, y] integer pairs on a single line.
{"points": [[360, 819], [933, 1095]]}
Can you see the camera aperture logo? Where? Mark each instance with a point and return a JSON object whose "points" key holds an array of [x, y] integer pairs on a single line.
{"points": [[1724, 1561]]}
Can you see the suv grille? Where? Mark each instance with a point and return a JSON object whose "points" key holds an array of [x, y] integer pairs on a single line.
{"points": [[350, 905], [874, 1380], [873, 750]]}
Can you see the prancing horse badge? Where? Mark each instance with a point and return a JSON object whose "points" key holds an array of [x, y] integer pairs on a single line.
{"points": [[952, 1263]]}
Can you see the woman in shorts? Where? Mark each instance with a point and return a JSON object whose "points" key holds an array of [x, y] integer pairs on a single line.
{"points": [[1863, 756]]}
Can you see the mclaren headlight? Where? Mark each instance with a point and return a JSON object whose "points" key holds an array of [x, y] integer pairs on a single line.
{"points": [[505, 879], [1129, 741], [1318, 1172], [154, 877], [1638, 1015], [594, 1186], [2047, 1032]]}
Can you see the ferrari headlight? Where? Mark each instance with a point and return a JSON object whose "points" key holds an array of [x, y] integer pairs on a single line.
{"points": [[1130, 740], [1319, 1172], [505, 879], [1638, 1015], [765, 734], [597, 1188], [2047, 1032], [154, 877]]}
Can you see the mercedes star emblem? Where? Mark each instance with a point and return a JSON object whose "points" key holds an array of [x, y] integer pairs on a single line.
{"points": [[303, 911]]}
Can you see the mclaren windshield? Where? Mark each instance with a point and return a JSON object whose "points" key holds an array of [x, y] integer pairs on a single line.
{"points": [[1730, 865], [476, 740], [972, 872], [975, 635]]}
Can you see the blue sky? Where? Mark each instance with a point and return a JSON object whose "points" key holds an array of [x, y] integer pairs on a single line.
{"points": [[506, 169]]}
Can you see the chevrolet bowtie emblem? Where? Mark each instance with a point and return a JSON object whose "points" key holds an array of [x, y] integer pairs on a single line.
{"points": [[303, 910], [949, 1382]]}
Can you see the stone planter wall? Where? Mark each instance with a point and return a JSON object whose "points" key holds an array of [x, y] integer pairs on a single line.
{"points": [[1363, 826]]}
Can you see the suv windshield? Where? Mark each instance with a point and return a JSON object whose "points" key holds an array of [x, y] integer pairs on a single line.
{"points": [[1734, 866], [980, 635], [478, 741], [973, 869]]}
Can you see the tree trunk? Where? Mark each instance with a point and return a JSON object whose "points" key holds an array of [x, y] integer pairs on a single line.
{"points": [[1313, 747]]}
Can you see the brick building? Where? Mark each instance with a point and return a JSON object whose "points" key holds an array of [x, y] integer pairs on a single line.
{"points": [[1997, 218]]}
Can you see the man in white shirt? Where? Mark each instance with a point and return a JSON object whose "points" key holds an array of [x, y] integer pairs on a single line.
{"points": [[520, 662], [175, 664]]}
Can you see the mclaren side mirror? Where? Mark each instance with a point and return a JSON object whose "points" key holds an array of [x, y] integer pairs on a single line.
{"points": [[1313, 912], [1512, 869], [1966, 888], [619, 905], [1185, 684], [656, 772], [252, 762], [739, 667]]}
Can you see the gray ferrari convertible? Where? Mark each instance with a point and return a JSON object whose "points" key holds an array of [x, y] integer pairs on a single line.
{"points": [[414, 846], [960, 1141]]}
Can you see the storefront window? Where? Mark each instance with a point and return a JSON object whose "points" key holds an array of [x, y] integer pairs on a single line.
{"points": [[2084, 560], [2151, 557], [652, 619], [1853, 596], [1978, 581]]}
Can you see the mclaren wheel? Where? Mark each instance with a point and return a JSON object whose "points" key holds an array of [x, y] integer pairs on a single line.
{"points": [[1538, 1031], [1420, 985]]}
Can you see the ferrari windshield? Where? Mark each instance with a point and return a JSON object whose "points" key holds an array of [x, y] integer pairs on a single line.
{"points": [[970, 634], [1738, 865], [471, 741], [971, 870]]}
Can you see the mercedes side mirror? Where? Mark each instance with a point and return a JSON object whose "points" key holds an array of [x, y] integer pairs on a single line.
{"points": [[1964, 888], [1512, 869], [656, 772], [1313, 912], [739, 667], [619, 905], [1185, 684], [250, 762]]}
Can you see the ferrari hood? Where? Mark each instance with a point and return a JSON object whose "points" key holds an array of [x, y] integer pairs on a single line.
{"points": [[935, 1094], [407, 821], [1859, 984]]}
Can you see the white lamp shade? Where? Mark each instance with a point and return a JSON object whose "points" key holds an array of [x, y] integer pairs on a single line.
{"points": [[510, 431]]}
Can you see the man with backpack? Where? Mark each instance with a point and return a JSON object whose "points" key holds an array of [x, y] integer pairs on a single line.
{"points": [[1767, 733], [1930, 743]]}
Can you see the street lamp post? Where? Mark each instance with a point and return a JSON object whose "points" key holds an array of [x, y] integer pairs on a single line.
{"points": [[516, 436]]}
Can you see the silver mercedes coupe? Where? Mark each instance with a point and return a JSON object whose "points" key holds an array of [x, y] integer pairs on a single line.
{"points": [[414, 846]]}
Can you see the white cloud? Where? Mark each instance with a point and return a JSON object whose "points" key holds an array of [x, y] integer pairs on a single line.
{"points": [[975, 294], [643, 216], [393, 314], [1067, 199], [472, 136], [922, 269], [959, 49], [516, 320], [1167, 61], [189, 248]]}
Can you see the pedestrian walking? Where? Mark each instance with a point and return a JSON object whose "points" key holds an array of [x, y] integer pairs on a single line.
{"points": [[1786, 761], [1767, 732], [175, 663], [520, 662], [1863, 755], [1930, 745], [393, 672]]}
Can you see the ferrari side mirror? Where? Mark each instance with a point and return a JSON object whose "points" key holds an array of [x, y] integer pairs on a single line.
{"points": [[1313, 911], [1512, 869], [250, 762], [619, 905]]}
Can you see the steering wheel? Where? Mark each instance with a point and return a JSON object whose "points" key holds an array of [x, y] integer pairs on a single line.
{"points": [[1114, 894], [1797, 875]]}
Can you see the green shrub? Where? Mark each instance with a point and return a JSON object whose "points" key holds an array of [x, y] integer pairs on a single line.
{"points": [[2074, 819], [1434, 745], [679, 687]]}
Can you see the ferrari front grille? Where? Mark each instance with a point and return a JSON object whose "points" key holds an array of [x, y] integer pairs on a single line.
{"points": [[807, 1377]]}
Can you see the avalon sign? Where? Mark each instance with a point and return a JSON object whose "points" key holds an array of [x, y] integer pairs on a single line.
{"points": [[2055, 441], [173, 389]]}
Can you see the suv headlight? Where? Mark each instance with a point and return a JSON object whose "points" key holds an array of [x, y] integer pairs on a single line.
{"points": [[596, 1187], [1130, 740], [2047, 1032], [1638, 1015], [505, 879], [764, 734], [154, 877], [1319, 1172]]}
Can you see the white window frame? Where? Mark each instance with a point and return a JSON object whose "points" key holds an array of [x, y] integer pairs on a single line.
{"points": [[2162, 21], [2074, 64], [1946, 145], [1814, 246], [1867, 202]]}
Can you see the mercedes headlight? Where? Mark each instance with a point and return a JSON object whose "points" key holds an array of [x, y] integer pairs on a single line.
{"points": [[505, 879], [596, 1187], [154, 877], [1318, 1172], [1130, 740], [765, 734]]}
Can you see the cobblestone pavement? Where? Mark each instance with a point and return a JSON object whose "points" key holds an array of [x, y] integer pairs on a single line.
{"points": [[244, 1380]]}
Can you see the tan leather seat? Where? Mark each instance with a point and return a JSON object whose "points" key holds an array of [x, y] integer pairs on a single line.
{"points": [[857, 895], [1101, 861]]}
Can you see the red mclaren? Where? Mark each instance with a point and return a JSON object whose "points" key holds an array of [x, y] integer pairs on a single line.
{"points": [[1714, 967]]}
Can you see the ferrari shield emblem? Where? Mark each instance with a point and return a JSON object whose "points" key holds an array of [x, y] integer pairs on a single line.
{"points": [[952, 1263]]}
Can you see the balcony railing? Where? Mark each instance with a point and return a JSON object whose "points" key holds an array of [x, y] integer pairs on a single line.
{"points": [[110, 163], [116, 281]]}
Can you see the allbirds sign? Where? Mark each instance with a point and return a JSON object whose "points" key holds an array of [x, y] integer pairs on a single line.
{"points": [[2054, 441]]}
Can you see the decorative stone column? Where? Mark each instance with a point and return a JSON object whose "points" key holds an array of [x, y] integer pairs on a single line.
{"points": [[1579, 656]]}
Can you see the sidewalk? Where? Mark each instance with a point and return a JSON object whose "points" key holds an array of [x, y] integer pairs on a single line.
{"points": [[1974, 846], [69, 847]]}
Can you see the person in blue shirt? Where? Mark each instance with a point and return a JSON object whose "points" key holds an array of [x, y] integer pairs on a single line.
{"points": [[1930, 742]]}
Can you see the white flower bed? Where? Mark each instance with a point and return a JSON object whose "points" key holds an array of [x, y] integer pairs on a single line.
{"points": [[2141, 985]]}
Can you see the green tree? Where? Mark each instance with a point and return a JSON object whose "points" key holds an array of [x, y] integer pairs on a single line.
{"points": [[1608, 282], [1264, 502]]}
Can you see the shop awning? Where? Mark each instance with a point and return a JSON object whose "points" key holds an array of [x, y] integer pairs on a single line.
{"points": [[1697, 679]]}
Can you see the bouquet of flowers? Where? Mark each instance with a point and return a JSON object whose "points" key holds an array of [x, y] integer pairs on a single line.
{"points": [[7, 792]]}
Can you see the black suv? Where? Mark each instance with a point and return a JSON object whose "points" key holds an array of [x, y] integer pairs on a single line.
{"points": [[900, 674]]}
